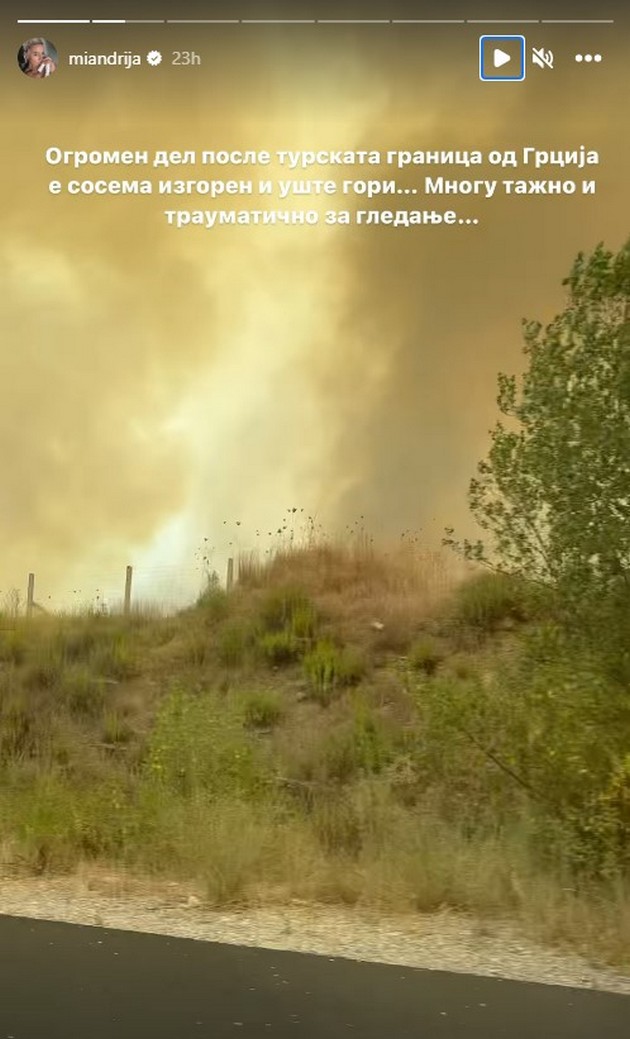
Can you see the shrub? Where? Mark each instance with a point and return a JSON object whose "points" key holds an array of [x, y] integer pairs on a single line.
{"points": [[338, 760], [362, 748], [548, 736], [278, 647], [114, 658], [81, 691], [328, 667], [215, 604], [488, 600], [287, 609], [198, 747], [425, 655], [321, 667], [56, 823], [262, 710], [115, 728], [337, 825], [613, 821], [233, 642], [303, 620], [374, 745], [361, 745]]}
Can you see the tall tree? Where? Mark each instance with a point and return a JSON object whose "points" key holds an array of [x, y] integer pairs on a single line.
{"points": [[554, 492]]}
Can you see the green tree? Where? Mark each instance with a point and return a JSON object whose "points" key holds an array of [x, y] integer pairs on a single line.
{"points": [[554, 492]]}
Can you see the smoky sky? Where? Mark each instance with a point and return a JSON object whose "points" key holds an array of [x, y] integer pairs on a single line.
{"points": [[446, 309], [155, 380]]}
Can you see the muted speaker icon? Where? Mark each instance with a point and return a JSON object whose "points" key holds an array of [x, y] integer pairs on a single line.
{"points": [[542, 58]]}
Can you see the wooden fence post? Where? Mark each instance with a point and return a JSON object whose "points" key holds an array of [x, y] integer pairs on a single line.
{"points": [[230, 575], [30, 595], [127, 605]]}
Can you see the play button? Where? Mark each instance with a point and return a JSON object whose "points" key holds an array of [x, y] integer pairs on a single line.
{"points": [[500, 58]]}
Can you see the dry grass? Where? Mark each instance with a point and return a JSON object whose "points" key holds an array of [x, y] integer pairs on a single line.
{"points": [[376, 598], [355, 568], [191, 747]]}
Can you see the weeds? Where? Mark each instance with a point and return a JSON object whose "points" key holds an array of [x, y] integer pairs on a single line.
{"points": [[13, 647], [278, 647], [198, 745], [263, 710], [214, 604], [495, 796], [115, 729], [81, 691], [488, 600], [289, 610], [426, 655], [234, 641], [327, 667], [114, 658]]}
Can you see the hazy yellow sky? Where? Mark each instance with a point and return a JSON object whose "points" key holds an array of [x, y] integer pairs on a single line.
{"points": [[157, 382]]}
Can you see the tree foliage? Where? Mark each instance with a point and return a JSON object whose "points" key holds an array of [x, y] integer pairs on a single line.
{"points": [[554, 492]]}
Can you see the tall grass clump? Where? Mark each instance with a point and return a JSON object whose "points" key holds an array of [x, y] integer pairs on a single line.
{"points": [[214, 603], [278, 647], [234, 641], [287, 623], [81, 691], [488, 600], [329, 667], [426, 655], [288, 609], [262, 710], [114, 656]]}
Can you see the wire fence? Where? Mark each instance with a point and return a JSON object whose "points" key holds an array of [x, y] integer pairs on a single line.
{"points": [[169, 588], [161, 589]]}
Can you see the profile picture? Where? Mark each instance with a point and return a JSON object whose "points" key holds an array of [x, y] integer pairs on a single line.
{"points": [[38, 58]]}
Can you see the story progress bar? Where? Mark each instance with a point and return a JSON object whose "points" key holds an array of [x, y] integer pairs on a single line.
{"points": [[315, 21]]}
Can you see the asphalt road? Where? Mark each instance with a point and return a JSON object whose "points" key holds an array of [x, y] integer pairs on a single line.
{"points": [[62, 981]]}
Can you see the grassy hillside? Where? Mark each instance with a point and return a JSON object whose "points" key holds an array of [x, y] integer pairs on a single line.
{"points": [[338, 728]]}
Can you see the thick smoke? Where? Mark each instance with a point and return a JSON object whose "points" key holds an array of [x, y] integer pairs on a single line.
{"points": [[156, 383]]}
